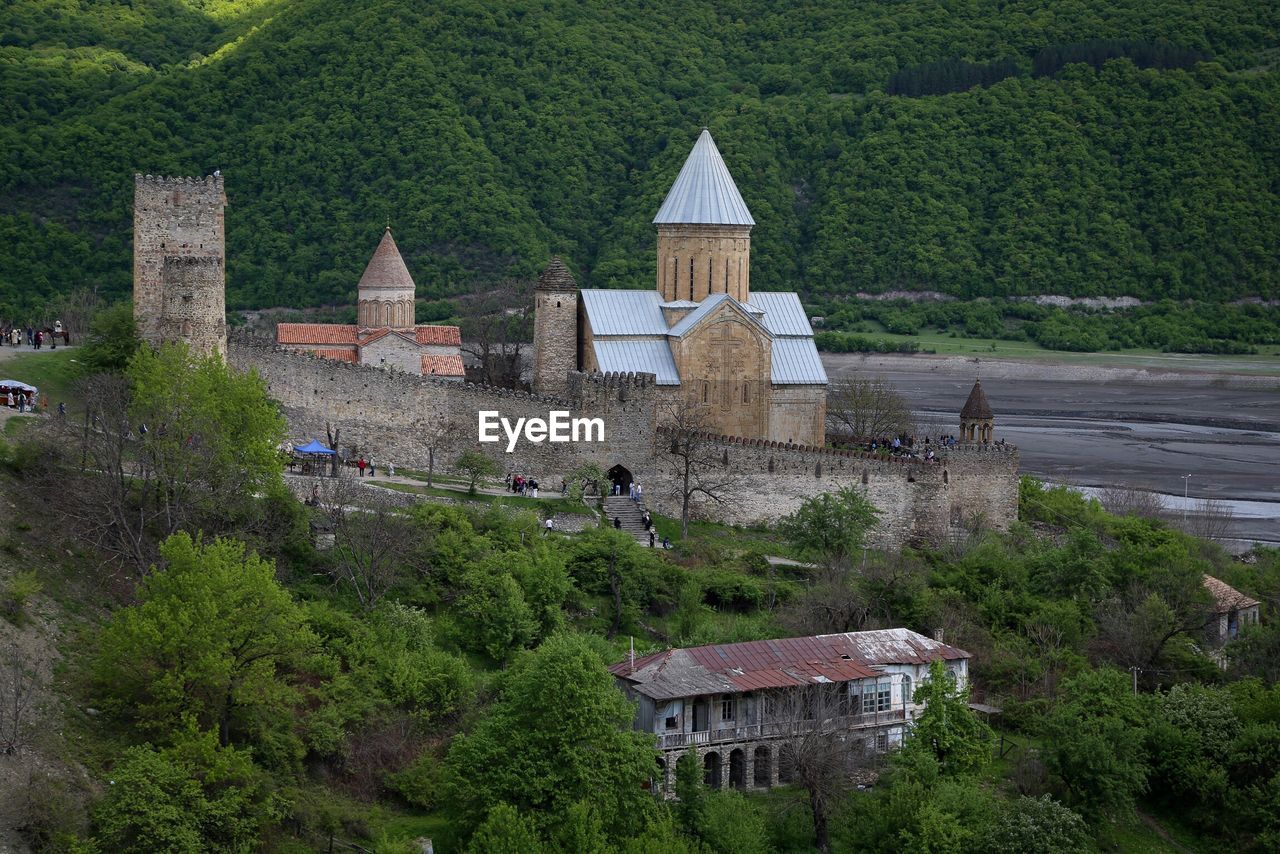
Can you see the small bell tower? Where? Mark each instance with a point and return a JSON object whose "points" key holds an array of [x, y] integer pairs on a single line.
{"points": [[977, 422]]}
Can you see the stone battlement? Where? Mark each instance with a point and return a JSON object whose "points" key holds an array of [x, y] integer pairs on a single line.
{"points": [[164, 182]]}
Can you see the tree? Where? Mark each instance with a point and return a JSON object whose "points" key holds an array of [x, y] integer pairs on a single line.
{"points": [[692, 455], [733, 825], [831, 527], [559, 732], [587, 475], [213, 638], [491, 613], [477, 467], [436, 434], [111, 342], [1094, 743], [506, 831], [691, 794], [19, 684], [496, 326], [208, 437], [947, 729], [819, 750], [1037, 826], [372, 540], [867, 408], [197, 795], [1131, 501]]}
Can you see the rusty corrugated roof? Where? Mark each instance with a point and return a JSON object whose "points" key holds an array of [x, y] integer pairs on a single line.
{"points": [[779, 663]]}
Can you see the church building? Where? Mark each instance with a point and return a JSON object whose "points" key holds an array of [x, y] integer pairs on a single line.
{"points": [[384, 334], [747, 361]]}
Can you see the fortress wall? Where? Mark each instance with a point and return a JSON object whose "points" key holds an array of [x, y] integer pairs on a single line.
{"points": [[387, 414], [391, 414]]}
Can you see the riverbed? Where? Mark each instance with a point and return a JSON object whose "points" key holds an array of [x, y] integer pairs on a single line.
{"points": [[1097, 427]]}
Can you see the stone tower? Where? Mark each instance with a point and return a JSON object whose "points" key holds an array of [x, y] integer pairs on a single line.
{"points": [[179, 256], [977, 422], [386, 292], [704, 231], [555, 329]]}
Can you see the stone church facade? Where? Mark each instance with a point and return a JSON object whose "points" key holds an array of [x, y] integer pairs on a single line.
{"points": [[745, 362]]}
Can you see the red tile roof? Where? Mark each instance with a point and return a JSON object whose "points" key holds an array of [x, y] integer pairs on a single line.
{"points": [[443, 366], [337, 355], [315, 333], [447, 336], [1225, 597]]}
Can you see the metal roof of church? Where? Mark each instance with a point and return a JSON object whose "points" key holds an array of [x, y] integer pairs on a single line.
{"points": [[386, 269], [616, 312], [795, 361], [643, 355], [704, 192], [783, 313]]}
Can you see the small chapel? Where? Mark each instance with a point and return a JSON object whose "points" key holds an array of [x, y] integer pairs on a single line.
{"points": [[747, 361], [384, 334]]}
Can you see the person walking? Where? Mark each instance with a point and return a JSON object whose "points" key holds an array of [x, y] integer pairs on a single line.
{"points": [[617, 523], [652, 536], [391, 469], [533, 487], [62, 410], [11, 404], [373, 469], [564, 487], [361, 464], [639, 496], [551, 526]]}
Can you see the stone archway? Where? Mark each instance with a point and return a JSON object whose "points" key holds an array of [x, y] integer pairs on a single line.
{"points": [[711, 770], [620, 476], [763, 768], [737, 769]]}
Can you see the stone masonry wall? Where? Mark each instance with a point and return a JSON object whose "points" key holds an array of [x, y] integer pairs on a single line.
{"points": [[389, 415], [555, 338], [178, 260]]}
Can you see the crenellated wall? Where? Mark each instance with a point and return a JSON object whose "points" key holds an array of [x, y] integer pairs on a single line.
{"points": [[390, 415]]}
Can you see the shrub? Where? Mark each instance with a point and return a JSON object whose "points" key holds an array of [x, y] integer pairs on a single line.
{"points": [[17, 591]]}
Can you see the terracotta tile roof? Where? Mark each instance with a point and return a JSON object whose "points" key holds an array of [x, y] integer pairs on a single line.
{"points": [[315, 333], [337, 355], [976, 406], [446, 336], [782, 663], [368, 336], [386, 269], [443, 366], [1225, 597]]}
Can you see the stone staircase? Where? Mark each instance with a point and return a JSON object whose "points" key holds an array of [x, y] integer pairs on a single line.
{"points": [[630, 513]]}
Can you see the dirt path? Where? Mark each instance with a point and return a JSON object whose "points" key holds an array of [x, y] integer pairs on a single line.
{"points": [[1158, 829]]}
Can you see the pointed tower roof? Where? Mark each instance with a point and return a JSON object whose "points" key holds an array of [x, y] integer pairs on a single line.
{"points": [[556, 277], [976, 406], [704, 192], [386, 270]]}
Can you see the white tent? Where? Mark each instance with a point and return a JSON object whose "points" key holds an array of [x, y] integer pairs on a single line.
{"points": [[17, 385]]}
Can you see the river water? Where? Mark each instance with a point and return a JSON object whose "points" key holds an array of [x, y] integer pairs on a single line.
{"points": [[1095, 428]]}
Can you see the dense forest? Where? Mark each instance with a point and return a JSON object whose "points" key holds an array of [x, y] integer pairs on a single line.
{"points": [[1087, 148], [187, 664]]}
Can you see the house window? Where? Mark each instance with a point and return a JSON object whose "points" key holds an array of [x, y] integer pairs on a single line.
{"points": [[672, 723], [882, 741], [727, 709], [906, 689]]}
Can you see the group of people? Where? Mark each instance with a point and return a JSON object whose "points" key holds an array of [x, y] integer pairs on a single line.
{"points": [[22, 400], [526, 486], [634, 491], [35, 338], [362, 465]]}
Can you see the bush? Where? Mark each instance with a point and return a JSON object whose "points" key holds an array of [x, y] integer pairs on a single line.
{"points": [[17, 591]]}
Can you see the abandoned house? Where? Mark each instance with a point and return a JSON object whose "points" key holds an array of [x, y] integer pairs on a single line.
{"points": [[738, 704], [1232, 610]]}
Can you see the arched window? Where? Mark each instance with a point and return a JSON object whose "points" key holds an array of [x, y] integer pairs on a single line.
{"points": [[906, 689], [690, 278], [746, 392], [706, 391]]}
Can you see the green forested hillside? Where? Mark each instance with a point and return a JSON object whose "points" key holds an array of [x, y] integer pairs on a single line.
{"points": [[491, 135]]}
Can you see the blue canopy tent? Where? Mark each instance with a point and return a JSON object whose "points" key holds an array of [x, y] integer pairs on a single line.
{"points": [[312, 447]]}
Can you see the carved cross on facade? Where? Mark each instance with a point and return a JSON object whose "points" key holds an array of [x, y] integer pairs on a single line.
{"points": [[728, 347]]}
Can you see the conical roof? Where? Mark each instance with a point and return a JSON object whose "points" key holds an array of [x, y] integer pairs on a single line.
{"points": [[556, 277], [386, 270], [704, 192], [976, 406]]}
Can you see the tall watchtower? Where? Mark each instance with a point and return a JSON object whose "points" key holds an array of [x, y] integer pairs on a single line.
{"points": [[179, 258], [555, 329], [704, 231]]}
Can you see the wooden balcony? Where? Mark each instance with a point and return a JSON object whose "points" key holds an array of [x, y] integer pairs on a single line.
{"points": [[778, 729]]}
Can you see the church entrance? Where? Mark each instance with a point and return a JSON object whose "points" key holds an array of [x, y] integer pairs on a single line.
{"points": [[620, 477]]}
